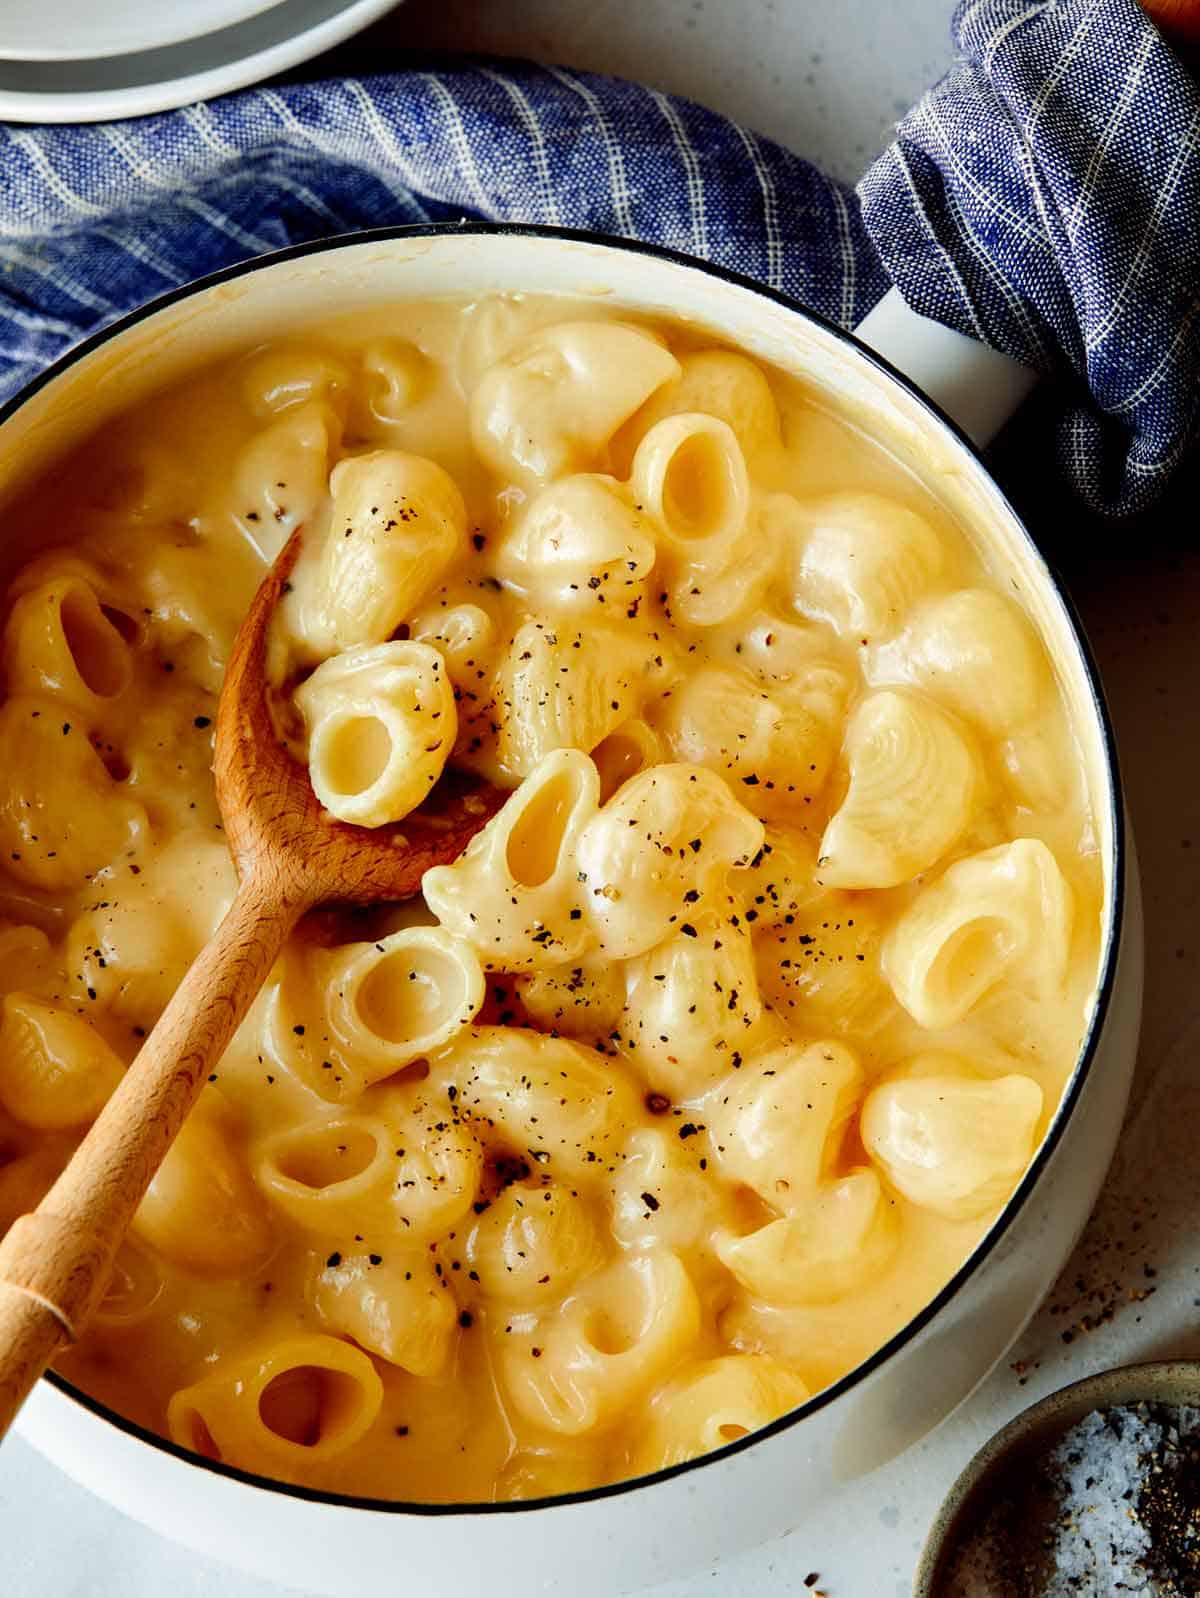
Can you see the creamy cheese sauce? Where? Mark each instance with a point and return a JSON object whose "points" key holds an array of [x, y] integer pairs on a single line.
{"points": [[872, 1084]]}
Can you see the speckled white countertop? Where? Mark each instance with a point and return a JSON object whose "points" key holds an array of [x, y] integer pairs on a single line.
{"points": [[828, 79]]}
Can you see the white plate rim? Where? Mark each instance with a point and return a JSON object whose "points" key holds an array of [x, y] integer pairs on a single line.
{"points": [[144, 99], [160, 27]]}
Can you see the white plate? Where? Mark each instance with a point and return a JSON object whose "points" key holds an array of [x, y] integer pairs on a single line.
{"points": [[74, 30], [135, 84]]}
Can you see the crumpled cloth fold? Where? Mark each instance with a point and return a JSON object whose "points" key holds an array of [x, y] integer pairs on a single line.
{"points": [[1045, 197]]}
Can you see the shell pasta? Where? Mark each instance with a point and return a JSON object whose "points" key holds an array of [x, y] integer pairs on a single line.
{"points": [[707, 1063], [381, 724]]}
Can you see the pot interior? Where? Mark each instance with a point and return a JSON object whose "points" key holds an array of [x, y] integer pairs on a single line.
{"points": [[251, 306]]}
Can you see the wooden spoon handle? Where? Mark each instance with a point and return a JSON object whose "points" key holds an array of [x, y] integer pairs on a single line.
{"points": [[55, 1263]]}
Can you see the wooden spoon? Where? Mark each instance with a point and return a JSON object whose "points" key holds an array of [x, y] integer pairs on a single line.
{"points": [[290, 856]]}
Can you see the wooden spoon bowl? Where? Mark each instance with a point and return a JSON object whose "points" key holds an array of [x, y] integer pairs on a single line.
{"points": [[291, 857], [273, 819]]}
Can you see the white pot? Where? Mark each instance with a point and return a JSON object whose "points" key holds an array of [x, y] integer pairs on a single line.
{"points": [[615, 1539]]}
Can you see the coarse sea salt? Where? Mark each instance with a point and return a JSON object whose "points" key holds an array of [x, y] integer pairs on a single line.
{"points": [[1112, 1510]]}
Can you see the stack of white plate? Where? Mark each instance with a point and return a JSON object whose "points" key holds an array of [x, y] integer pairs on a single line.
{"points": [[91, 60]]}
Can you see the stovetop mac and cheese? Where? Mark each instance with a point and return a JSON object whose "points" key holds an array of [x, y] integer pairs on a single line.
{"points": [[706, 1065]]}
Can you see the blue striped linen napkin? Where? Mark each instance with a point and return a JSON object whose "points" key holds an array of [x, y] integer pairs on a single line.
{"points": [[1043, 196]]}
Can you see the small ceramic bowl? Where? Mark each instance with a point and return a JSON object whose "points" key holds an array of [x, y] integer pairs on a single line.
{"points": [[1029, 1437]]}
